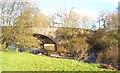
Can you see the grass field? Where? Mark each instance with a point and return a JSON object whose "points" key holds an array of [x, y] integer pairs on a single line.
{"points": [[14, 61]]}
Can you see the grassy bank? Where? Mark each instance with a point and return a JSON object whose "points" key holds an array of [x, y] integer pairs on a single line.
{"points": [[14, 61]]}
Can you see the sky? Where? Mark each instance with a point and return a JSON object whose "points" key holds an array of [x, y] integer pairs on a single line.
{"points": [[90, 8], [84, 7]]}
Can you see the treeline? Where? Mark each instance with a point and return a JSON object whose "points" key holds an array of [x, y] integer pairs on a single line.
{"points": [[102, 41]]}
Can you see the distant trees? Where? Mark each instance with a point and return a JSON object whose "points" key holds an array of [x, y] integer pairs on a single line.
{"points": [[102, 19], [108, 20], [65, 18]]}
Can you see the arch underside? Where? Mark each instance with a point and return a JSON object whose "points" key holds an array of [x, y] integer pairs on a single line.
{"points": [[46, 40]]}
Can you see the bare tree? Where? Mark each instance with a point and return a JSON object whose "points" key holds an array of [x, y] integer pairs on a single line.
{"points": [[66, 18], [9, 12], [102, 19]]}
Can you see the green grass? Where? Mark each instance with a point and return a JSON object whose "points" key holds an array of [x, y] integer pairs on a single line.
{"points": [[14, 61]]}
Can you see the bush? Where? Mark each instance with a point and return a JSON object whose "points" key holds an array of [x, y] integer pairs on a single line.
{"points": [[105, 45], [72, 42]]}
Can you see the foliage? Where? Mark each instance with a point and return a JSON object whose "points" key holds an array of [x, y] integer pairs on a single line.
{"points": [[104, 43], [30, 62], [73, 41], [18, 33], [105, 40], [41, 20], [99, 41], [23, 40]]}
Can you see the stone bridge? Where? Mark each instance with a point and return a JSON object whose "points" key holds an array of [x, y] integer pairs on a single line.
{"points": [[47, 32]]}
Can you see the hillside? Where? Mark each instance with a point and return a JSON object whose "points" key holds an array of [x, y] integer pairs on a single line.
{"points": [[14, 61]]}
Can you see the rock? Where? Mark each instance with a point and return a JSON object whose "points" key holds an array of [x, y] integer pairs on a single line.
{"points": [[40, 54]]}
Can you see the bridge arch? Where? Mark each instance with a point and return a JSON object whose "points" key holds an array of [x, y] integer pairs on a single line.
{"points": [[46, 39]]}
